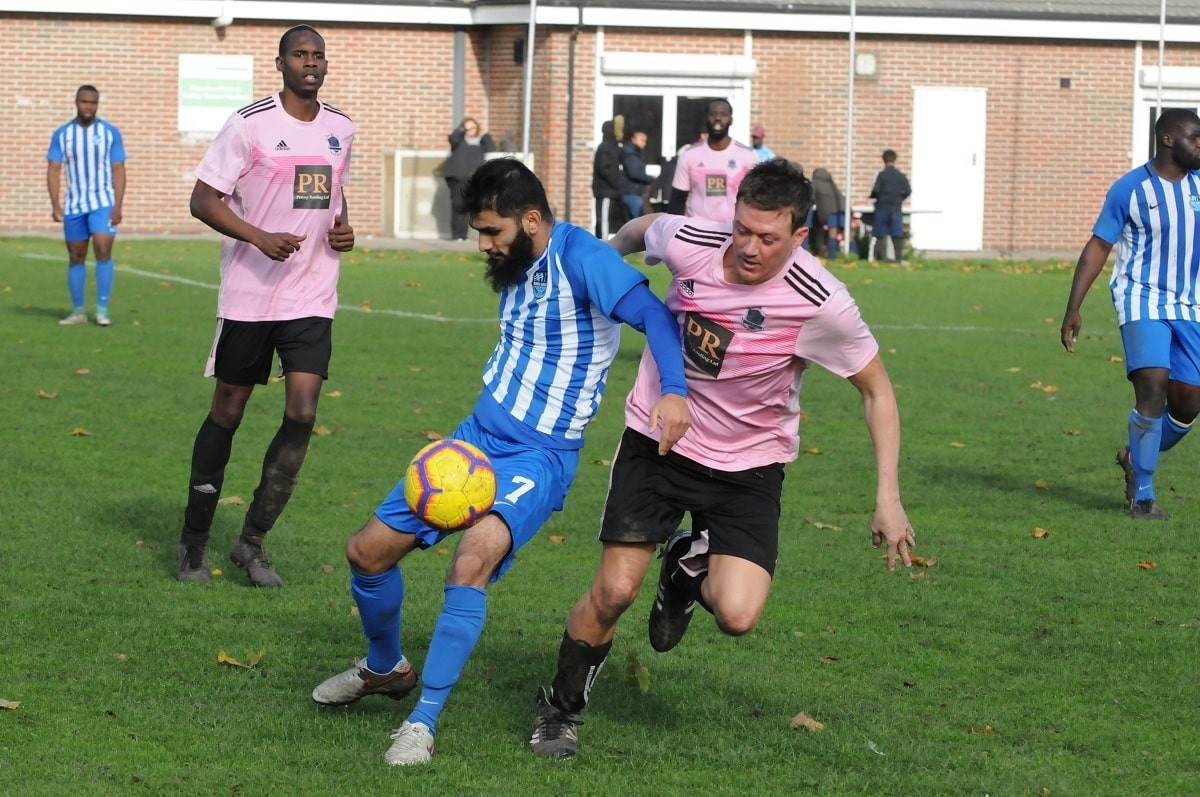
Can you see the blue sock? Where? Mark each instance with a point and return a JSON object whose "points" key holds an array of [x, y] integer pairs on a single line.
{"points": [[104, 283], [1172, 432], [379, 599], [1145, 434], [76, 279], [454, 637]]}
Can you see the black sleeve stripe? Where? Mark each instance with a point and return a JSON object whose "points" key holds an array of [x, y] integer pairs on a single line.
{"points": [[806, 285], [335, 110], [697, 236], [266, 103]]}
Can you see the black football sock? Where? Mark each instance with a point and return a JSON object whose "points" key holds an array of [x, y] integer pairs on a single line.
{"points": [[579, 665], [210, 454], [281, 466]]}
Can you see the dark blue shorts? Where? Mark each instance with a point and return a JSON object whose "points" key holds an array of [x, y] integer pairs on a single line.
{"points": [[888, 223]]}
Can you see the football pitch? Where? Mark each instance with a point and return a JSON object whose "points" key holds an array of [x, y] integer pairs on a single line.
{"points": [[1047, 647]]}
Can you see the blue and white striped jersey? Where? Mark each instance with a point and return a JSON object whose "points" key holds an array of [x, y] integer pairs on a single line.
{"points": [[1153, 223], [87, 155], [546, 376]]}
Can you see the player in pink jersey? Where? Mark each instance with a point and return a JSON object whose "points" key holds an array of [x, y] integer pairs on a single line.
{"points": [[708, 173], [755, 310], [271, 183]]}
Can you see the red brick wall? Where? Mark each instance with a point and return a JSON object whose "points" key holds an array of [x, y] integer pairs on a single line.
{"points": [[1051, 152]]}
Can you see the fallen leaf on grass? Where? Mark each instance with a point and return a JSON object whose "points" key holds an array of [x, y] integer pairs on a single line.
{"points": [[232, 500], [443, 551], [814, 451], [817, 524], [1040, 484], [321, 430], [326, 568], [827, 659], [636, 673], [1147, 565], [275, 380], [557, 539], [10, 704], [1037, 385], [921, 561], [874, 748], [1039, 533], [216, 571], [354, 611], [252, 659], [366, 305], [1116, 358], [83, 371], [121, 657], [42, 394], [334, 394], [1072, 432], [605, 462], [956, 444], [1014, 370], [79, 431], [429, 434], [806, 722]]}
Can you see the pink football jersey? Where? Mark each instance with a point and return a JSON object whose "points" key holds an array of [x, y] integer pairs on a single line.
{"points": [[280, 174], [711, 178], [745, 346]]}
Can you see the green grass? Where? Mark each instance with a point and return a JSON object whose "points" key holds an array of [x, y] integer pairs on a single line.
{"points": [[1014, 666]]}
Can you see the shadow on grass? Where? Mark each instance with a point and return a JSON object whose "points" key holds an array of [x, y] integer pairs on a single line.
{"points": [[56, 313], [970, 480]]}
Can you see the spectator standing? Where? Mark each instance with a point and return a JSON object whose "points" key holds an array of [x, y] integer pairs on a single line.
{"points": [[633, 164], [828, 214], [758, 143], [890, 190], [93, 155], [708, 173], [468, 145], [608, 182]]}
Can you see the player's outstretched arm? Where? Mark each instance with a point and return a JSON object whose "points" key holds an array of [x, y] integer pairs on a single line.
{"points": [[1091, 263], [207, 206], [890, 522], [632, 235]]}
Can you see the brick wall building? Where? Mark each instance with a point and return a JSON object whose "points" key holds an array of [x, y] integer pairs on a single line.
{"points": [[1047, 112]]}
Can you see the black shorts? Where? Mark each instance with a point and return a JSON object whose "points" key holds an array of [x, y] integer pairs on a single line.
{"points": [[648, 496], [243, 351]]}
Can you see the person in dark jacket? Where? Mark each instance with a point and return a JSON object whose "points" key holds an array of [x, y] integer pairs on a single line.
{"points": [[468, 145], [608, 181], [890, 190], [633, 162], [829, 214]]}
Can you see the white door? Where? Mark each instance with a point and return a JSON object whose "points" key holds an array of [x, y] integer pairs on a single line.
{"points": [[949, 137]]}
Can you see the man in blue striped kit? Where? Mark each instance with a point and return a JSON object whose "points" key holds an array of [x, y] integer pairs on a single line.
{"points": [[91, 152], [563, 296], [1152, 215]]}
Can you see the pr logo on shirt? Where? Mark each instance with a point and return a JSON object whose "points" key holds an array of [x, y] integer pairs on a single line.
{"points": [[312, 187], [705, 343], [714, 185]]}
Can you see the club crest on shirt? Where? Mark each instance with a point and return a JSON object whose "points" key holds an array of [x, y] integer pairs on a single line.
{"points": [[705, 343], [540, 281], [335, 146], [312, 187], [754, 318], [1194, 202], [687, 287]]}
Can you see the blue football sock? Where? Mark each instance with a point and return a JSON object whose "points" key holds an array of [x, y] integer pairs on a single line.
{"points": [[76, 279], [1145, 434], [379, 599], [454, 637], [1172, 432], [104, 282]]}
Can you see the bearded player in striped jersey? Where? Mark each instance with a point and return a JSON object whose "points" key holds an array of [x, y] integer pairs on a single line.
{"points": [[563, 296], [1152, 215], [755, 309]]}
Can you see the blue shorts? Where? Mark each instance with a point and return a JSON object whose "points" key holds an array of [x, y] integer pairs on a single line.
{"points": [[888, 223], [1174, 345], [83, 226], [531, 485]]}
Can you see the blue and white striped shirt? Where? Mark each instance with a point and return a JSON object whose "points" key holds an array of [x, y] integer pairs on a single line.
{"points": [[87, 155], [546, 376], [1153, 223]]}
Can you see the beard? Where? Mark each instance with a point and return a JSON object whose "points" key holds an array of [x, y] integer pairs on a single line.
{"points": [[716, 135], [505, 271]]}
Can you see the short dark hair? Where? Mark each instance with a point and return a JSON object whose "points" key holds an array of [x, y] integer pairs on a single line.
{"points": [[287, 34], [1172, 120], [86, 87], [889, 156], [721, 100], [778, 184], [507, 187]]}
